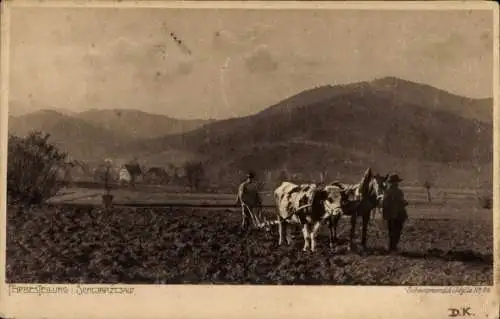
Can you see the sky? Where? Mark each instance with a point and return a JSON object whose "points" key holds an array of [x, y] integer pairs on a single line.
{"points": [[234, 62]]}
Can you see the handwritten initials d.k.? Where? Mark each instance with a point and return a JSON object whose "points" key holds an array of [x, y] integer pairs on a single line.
{"points": [[454, 312]]}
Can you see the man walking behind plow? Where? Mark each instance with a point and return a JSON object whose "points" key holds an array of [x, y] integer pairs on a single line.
{"points": [[249, 199], [394, 211]]}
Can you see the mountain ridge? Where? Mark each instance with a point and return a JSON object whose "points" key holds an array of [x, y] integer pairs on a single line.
{"points": [[355, 118], [90, 135], [424, 93], [387, 123], [148, 124]]}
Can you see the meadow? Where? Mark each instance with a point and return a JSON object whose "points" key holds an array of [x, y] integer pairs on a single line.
{"points": [[443, 243]]}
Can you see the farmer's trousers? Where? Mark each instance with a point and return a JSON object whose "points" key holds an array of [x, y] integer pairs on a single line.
{"points": [[246, 218], [395, 227]]}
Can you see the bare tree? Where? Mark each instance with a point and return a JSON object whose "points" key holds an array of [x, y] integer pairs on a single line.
{"points": [[103, 174], [323, 176], [107, 176], [427, 185], [427, 178], [107, 198], [268, 178], [194, 174]]}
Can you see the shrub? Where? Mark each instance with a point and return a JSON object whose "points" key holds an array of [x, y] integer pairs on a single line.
{"points": [[427, 185], [33, 164]]}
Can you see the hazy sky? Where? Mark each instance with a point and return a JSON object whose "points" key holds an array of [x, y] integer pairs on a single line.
{"points": [[241, 61]]}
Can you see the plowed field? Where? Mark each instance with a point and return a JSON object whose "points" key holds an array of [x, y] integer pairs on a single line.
{"points": [[155, 245]]}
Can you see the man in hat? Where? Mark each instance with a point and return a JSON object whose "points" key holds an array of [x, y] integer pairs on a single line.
{"points": [[248, 197], [394, 210]]}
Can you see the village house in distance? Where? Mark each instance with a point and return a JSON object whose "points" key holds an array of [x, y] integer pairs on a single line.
{"points": [[129, 173]]}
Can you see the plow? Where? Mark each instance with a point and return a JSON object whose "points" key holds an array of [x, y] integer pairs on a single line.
{"points": [[258, 218]]}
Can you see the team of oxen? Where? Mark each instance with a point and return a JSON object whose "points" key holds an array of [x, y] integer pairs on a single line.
{"points": [[312, 205]]}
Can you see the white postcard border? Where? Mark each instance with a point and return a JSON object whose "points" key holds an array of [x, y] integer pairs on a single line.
{"points": [[232, 301]]}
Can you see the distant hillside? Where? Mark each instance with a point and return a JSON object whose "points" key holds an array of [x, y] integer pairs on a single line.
{"points": [[398, 91], [95, 134], [139, 124], [387, 123], [403, 91], [83, 140]]}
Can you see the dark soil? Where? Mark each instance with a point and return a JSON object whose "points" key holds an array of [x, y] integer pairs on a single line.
{"points": [[155, 246]]}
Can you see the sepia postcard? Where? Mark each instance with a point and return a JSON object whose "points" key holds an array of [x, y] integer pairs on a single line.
{"points": [[267, 159]]}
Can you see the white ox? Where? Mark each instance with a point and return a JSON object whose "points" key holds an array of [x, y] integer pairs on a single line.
{"points": [[308, 205]]}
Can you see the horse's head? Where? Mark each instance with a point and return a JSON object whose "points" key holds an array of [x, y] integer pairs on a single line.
{"points": [[372, 187], [380, 185]]}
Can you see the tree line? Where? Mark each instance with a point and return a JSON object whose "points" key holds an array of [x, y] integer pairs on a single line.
{"points": [[34, 164]]}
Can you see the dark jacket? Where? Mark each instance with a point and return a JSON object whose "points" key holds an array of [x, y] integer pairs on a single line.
{"points": [[248, 194], [394, 204]]}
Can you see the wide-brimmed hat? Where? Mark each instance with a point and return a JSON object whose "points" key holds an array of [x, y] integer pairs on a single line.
{"points": [[394, 178]]}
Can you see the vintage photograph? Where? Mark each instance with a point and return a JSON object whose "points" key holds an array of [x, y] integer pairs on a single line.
{"points": [[232, 146]]}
